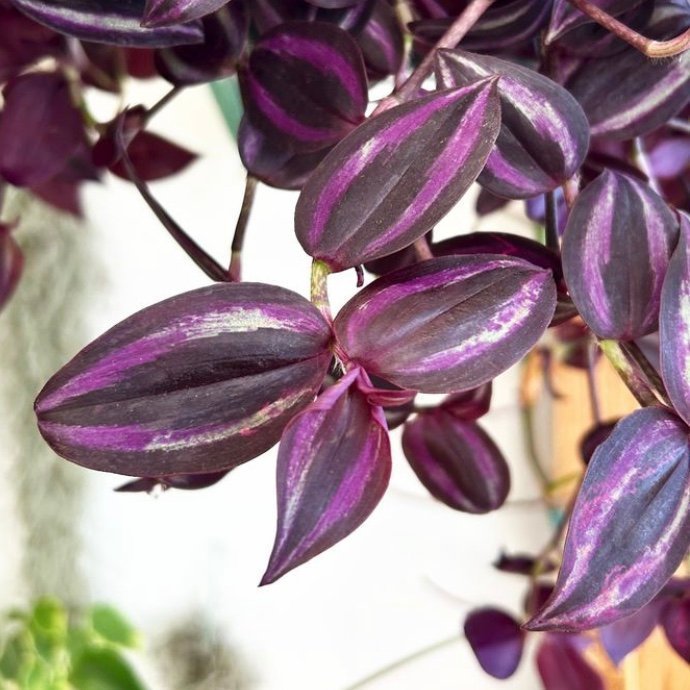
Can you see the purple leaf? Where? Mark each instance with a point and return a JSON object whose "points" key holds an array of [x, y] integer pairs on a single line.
{"points": [[448, 324], [616, 250], [544, 132], [628, 95], [334, 464], [225, 35], [305, 85], [565, 16], [107, 21], [469, 405], [40, 128], [393, 178], [197, 383], [630, 527], [456, 461], [497, 641], [674, 324], [381, 41], [595, 437], [188, 482], [159, 13], [675, 619], [517, 564], [11, 263], [626, 635], [561, 665]]}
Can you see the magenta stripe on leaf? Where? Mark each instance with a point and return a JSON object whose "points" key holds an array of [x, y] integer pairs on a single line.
{"points": [[169, 12], [630, 527], [616, 249], [107, 21], [334, 464], [544, 132], [457, 461], [448, 324], [198, 383], [393, 178]]}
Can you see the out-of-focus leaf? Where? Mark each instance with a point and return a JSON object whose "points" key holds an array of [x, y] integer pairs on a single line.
{"points": [[561, 665], [103, 669], [675, 619], [11, 263], [471, 404], [496, 639], [630, 527], [626, 635], [112, 626], [397, 175]]}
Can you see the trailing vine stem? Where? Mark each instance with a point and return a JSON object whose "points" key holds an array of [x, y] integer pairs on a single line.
{"points": [[235, 269], [319, 288], [633, 378]]}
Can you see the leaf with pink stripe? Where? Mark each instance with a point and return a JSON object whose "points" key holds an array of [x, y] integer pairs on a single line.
{"points": [[447, 324], [393, 178], [334, 464], [616, 249], [195, 384], [630, 527], [170, 12]]}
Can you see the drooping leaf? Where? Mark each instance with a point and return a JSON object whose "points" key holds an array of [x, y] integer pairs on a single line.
{"points": [[628, 95], [40, 128], [675, 619], [117, 22], [626, 635], [447, 324], [630, 527], [496, 639], [616, 250], [333, 468], [457, 461], [544, 132], [397, 175], [674, 324], [304, 85], [469, 405], [197, 383], [562, 666], [159, 13], [565, 16]]}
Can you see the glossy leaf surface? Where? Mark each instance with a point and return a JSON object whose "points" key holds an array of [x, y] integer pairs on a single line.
{"points": [[457, 461], [544, 133], [497, 641], [197, 383], [674, 324], [448, 324], [565, 16], [397, 175], [630, 527], [116, 22], [169, 12], [616, 249], [333, 468]]}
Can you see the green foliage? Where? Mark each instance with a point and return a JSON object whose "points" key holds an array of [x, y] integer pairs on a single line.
{"points": [[49, 648]]}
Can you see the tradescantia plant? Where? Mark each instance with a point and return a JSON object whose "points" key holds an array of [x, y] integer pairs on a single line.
{"points": [[579, 107]]}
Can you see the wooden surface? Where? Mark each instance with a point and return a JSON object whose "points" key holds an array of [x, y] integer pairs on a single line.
{"points": [[654, 666]]}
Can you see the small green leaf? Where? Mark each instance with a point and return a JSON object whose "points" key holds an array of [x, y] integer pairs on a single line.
{"points": [[18, 655], [113, 627], [103, 669]]}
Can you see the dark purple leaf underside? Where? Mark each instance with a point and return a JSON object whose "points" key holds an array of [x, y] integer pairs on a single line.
{"points": [[40, 128], [333, 468], [675, 619], [616, 250], [457, 462], [469, 405], [117, 22], [11, 264], [565, 16], [628, 95], [381, 41], [544, 133], [630, 527], [448, 324], [397, 175], [159, 13], [305, 85], [674, 324], [561, 665], [197, 383], [497, 641]]}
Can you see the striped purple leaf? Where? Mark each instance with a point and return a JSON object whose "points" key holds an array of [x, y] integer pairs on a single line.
{"points": [[334, 464], [457, 461], [159, 13], [197, 383], [11, 263], [628, 95], [674, 324], [381, 41], [630, 527], [496, 639], [675, 619], [544, 132], [116, 22], [616, 250], [397, 175], [305, 85], [447, 324], [565, 16]]}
